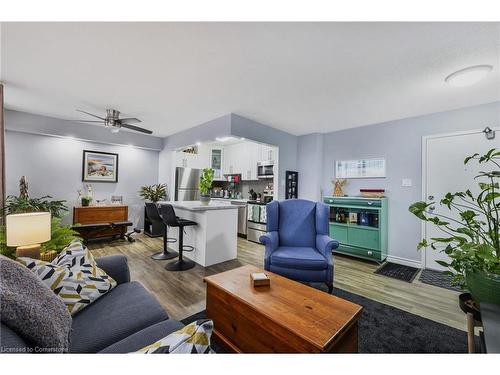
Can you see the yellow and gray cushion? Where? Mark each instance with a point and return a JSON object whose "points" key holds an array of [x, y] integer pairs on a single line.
{"points": [[73, 276], [192, 339]]}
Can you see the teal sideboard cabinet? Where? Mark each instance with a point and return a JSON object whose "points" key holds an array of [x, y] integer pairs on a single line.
{"points": [[360, 226]]}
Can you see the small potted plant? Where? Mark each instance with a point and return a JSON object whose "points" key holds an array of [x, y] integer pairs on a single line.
{"points": [[86, 201], [471, 231], [206, 180]]}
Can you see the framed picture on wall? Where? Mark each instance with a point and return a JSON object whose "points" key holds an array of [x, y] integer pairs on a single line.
{"points": [[360, 168], [99, 166]]}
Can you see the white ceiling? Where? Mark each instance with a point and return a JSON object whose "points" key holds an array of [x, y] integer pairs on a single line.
{"points": [[298, 77]]}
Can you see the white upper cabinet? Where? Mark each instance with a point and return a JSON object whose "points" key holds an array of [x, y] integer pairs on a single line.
{"points": [[228, 165], [241, 158], [251, 159], [199, 161], [216, 161], [266, 153]]}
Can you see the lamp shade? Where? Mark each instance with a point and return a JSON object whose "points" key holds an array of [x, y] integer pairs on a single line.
{"points": [[28, 229]]}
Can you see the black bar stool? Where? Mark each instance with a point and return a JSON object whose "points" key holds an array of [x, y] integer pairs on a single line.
{"points": [[168, 214], [154, 215]]}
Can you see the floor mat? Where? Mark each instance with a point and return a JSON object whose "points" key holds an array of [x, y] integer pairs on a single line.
{"points": [[398, 271], [439, 279], [386, 329]]}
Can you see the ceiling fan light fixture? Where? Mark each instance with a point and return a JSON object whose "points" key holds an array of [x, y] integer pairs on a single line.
{"points": [[468, 76], [114, 122]]}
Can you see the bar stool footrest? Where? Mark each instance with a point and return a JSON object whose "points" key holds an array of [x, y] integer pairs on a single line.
{"points": [[187, 248]]}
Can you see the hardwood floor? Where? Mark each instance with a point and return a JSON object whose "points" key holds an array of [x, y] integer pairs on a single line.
{"points": [[183, 293]]}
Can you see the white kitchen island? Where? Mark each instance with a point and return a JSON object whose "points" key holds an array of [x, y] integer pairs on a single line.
{"points": [[214, 238]]}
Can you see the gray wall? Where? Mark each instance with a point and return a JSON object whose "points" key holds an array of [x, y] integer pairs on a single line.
{"points": [[53, 166], [165, 172], [310, 166], [208, 131], [287, 143], [400, 142]]}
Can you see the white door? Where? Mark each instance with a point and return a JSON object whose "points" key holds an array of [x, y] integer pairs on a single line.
{"points": [[444, 171]]}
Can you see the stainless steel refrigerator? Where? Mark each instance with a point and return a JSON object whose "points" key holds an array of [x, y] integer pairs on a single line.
{"points": [[187, 182]]}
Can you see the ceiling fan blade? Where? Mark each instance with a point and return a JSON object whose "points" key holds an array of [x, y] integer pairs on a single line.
{"points": [[100, 122], [130, 120], [136, 128], [90, 114]]}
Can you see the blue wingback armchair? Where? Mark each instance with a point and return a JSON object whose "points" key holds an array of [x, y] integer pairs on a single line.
{"points": [[297, 241]]}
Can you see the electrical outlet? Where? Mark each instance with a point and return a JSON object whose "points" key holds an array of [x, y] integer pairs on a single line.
{"points": [[406, 182]]}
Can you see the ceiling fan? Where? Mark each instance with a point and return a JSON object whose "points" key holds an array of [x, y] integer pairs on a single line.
{"points": [[114, 122]]}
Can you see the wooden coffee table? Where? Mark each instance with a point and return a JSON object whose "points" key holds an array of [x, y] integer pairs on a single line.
{"points": [[285, 317]]}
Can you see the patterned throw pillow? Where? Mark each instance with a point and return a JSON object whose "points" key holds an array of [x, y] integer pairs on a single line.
{"points": [[192, 339], [73, 276]]}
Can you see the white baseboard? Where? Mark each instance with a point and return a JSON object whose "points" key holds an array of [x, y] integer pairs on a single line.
{"points": [[404, 261]]}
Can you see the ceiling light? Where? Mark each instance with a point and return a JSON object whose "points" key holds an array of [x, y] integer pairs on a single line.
{"points": [[225, 139], [468, 76]]}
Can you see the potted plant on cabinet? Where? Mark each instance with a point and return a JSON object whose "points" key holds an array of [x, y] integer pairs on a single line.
{"points": [[153, 193], [472, 231], [206, 179]]}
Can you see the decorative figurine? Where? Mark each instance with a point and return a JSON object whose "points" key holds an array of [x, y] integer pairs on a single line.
{"points": [[80, 196], [23, 188], [90, 192], [338, 185]]}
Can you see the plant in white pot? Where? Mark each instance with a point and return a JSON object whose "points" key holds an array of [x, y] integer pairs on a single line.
{"points": [[471, 231], [206, 179]]}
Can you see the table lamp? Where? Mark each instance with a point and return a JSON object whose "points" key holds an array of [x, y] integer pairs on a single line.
{"points": [[27, 231]]}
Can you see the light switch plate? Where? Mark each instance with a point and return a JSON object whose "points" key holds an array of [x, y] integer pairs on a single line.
{"points": [[406, 182]]}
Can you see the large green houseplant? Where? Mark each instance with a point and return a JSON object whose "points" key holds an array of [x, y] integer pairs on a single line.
{"points": [[206, 180], [24, 203], [153, 193], [471, 231]]}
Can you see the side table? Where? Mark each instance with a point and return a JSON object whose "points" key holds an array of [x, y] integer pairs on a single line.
{"points": [[471, 309]]}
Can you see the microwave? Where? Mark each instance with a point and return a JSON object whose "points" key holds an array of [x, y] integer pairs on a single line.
{"points": [[265, 169]]}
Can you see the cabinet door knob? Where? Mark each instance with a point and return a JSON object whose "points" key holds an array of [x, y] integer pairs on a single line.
{"points": [[370, 253]]}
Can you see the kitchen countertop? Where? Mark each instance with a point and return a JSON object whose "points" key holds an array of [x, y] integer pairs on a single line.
{"points": [[231, 200], [197, 206]]}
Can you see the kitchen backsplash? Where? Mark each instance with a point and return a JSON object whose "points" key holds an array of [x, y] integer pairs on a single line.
{"points": [[244, 186], [257, 186]]}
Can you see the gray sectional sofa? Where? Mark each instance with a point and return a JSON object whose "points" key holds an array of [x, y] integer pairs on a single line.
{"points": [[124, 320]]}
